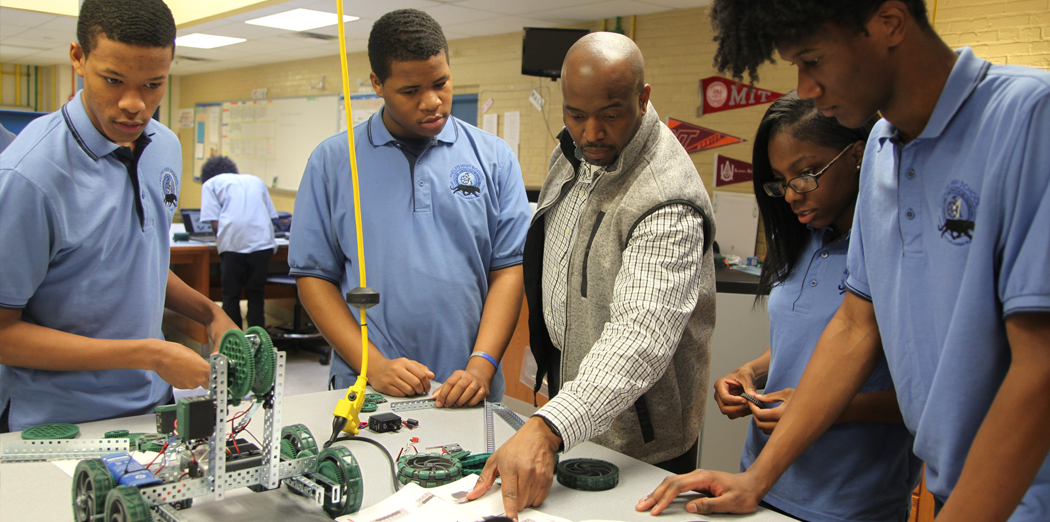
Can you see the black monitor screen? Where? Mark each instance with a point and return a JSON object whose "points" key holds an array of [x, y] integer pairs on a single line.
{"points": [[543, 50], [191, 218]]}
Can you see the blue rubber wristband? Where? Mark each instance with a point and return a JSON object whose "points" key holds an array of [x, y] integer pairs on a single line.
{"points": [[487, 357]]}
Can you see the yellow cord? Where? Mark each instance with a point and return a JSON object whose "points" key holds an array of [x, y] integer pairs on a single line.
{"points": [[350, 406]]}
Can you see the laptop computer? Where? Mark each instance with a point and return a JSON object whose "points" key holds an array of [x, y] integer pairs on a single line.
{"points": [[197, 229]]}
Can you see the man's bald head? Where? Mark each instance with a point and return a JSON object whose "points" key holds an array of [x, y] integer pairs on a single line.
{"points": [[611, 59], [604, 95]]}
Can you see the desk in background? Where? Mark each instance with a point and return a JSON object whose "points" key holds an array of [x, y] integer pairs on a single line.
{"points": [[197, 264]]}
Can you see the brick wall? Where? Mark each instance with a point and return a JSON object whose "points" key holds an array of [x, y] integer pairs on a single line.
{"points": [[678, 50]]}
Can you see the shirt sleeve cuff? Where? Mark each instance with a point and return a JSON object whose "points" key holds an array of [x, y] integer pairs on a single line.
{"points": [[315, 272], [566, 413], [1026, 304]]}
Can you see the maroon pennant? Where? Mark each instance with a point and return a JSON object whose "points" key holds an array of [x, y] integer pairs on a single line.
{"points": [[722, 94], [729, 170]]}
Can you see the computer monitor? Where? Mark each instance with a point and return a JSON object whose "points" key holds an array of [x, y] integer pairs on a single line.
{"points": [[543, 50], [191, 218]]}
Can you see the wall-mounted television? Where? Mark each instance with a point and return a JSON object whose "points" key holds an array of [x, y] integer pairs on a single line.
{"points": [[543, 50]]}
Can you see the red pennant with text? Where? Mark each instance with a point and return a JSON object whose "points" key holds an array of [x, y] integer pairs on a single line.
{"points": [[695, 138], [722, 94], [729, 170]]}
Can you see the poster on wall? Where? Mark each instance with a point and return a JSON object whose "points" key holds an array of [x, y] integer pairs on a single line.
{"points": [[719, 94], [729, 170], [695, 138]]}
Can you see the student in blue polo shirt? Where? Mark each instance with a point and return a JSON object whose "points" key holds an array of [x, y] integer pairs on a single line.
{"points": [[806, 177], [444, 219], [88, 194], [948, 254], [241, 214]]}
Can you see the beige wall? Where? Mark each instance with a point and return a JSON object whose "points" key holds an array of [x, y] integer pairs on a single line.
{"points": [[678, 50]]}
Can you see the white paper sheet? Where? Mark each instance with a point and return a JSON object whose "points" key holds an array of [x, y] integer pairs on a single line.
{"points": [[490, 123], [512, 127]]}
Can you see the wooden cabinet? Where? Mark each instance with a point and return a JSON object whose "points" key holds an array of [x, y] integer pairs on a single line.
{"points": [[921, 502]]}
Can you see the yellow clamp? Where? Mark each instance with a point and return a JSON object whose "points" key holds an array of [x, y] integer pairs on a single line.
{"points": [[349, 407]]}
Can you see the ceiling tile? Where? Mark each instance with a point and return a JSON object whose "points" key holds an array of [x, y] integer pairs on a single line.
{"points": [[66, 24], [600, 10], [13, 53], [451, 14], [503, 24], [530, 6], [679, 4], [7, 31], [20, 18]]}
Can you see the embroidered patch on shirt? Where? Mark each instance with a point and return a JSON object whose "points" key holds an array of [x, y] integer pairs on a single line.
{"points": [[958, 213], [168, 185], [465, 181]]}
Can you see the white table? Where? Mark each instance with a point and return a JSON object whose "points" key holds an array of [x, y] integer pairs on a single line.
{"points": [[41, 491]]}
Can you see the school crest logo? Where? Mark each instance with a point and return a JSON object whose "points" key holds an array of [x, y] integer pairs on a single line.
{"points": [[958, 213], [465, 181], [169, 186]]}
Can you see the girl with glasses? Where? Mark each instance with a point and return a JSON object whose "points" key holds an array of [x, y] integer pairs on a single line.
{"points": [[806, 178]]}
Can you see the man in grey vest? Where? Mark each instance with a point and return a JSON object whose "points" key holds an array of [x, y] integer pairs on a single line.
{"points": [[620, 282]]}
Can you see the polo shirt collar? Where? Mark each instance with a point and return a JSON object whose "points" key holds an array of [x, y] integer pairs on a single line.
{"points": [[91, 141], [379, 135], [967, 73]]}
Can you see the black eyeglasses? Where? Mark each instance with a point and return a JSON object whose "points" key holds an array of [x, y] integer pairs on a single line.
{"points": [[802, 184]]}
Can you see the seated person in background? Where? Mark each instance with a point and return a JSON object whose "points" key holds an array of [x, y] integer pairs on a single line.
{"points": [[806, 177], [947, 261], [241, 214], [88, 194], [620, 281], [6, 137], [444, 217]]}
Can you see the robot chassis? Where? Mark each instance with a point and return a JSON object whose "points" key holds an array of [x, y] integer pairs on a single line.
{"points": [[245, 362]]}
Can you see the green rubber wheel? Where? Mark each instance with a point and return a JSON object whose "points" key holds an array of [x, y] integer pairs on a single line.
{"points": [[588, 474], [429, 470], [91, 483], [376, 398], [473, 464], [116, 434], [300, 439], [51, 431], [125, 504], [369, 407], [339, 465], [241, 373], [287, 449], [265, 362]]}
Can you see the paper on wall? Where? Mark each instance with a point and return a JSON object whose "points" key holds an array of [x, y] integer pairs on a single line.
{"points": [[512, 127], [490, 123]]}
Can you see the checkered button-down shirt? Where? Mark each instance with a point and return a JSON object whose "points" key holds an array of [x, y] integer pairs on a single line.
{"points": [[654, 295]]}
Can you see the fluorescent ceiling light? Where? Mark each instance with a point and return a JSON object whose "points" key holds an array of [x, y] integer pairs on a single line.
{"points": [[300, 20], [206, 41]]}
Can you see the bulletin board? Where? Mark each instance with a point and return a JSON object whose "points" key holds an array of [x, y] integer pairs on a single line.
{"points": [[273, 138]]}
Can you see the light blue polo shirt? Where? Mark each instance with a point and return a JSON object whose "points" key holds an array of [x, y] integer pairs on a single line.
{"points": [[432, 234], [855, 471], [77, 257], [242, 206], [952, 236]]}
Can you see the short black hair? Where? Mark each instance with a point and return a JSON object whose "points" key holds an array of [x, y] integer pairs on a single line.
{"points": [[785, 236], [405, 35], [748, 31], [146, 23], [217, 165]]}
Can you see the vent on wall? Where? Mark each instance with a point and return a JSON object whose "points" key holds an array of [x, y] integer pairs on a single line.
{"points": [[179, 57], [314, 36]]}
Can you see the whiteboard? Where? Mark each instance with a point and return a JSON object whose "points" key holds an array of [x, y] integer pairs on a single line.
{"points": [[273, 139], [736, 223]]}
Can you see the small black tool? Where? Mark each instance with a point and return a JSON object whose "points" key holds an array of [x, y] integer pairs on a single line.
{"points": [[754, 401]]}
